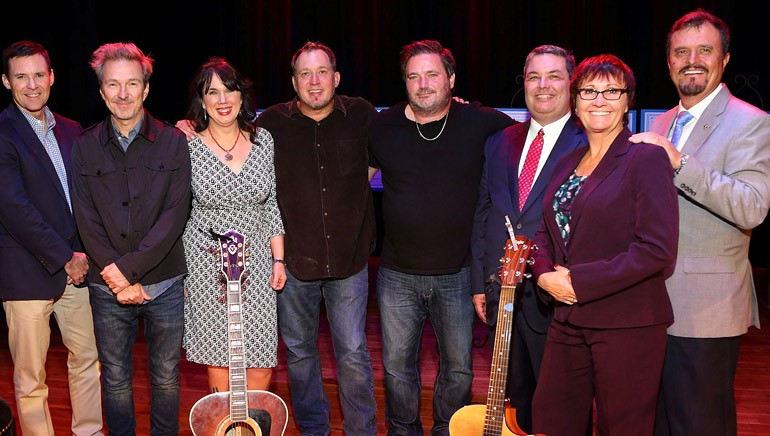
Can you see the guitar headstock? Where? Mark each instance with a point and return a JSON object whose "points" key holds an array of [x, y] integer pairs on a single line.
{"points": [[232, 248], [517, 256]]}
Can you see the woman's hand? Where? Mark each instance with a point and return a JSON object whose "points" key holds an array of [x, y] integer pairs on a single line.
{"points": [[559, 284]]}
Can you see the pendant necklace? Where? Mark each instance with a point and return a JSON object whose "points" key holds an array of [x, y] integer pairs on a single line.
{"points": [[228, 156], [446, 117]]}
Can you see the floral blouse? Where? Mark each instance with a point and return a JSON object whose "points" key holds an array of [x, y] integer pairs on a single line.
{"points": [[562, 203]]}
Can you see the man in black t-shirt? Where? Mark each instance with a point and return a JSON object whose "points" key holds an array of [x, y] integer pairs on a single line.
{"points": [[430, 152]]}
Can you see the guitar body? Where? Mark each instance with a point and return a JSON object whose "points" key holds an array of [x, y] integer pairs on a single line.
{"points": [[497, 417], [469, 421], [268, 416], [239, 412]]}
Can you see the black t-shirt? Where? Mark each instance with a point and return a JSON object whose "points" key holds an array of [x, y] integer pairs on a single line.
{"points": [[430, 188]]}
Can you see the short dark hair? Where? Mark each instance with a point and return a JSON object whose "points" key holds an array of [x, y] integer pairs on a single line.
{"points": [[234, 81], [23, 49], [310, 46], [696, 19], [569, 59], [427, 46], [604, 66]]}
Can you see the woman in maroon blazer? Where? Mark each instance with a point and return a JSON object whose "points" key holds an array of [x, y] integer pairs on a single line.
{"points": [[606, 245]]}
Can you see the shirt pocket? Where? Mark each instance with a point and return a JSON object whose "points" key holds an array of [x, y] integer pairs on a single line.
{"points": [[101, 178], [162, 164], [158, 174], [352, 156], [709, 265]]}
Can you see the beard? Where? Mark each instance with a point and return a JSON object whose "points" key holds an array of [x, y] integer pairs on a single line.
{"points": [[689, 87], [425, 109], [318, 105]]}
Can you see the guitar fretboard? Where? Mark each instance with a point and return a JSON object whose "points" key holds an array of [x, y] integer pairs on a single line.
{"points": [[495, 413], [239, 405]]}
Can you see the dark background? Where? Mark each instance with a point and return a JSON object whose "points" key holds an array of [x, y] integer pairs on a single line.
{"points": [[490, 40]]}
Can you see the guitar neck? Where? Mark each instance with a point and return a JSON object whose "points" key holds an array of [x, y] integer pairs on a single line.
{"points": [[239, 405], [498, 375]]}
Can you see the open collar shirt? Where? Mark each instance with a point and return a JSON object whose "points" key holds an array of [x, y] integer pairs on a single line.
{"points": [[322, 186]]}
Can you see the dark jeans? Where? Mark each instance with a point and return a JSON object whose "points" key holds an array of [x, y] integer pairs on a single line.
{"points": [[404, 301], [299, 306], [116, 326]]}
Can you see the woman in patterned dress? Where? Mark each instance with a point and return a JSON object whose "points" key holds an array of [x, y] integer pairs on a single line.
{"points": [[233, 186]]}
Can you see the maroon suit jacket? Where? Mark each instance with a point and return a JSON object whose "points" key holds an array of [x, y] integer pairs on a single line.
{"points": [[624, 232]]}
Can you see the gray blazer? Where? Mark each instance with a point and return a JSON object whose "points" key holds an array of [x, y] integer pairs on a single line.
{"points": [[724, 192]]}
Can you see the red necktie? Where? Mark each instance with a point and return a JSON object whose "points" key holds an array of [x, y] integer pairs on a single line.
{"points": [[527, 175]]}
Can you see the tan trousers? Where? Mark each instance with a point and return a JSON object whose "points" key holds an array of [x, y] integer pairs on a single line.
{"points": [[29, 335]]}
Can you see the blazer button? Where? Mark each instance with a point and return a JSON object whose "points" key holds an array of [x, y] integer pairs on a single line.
{"points": [[98, 172], [122, 236], [125, 203]]}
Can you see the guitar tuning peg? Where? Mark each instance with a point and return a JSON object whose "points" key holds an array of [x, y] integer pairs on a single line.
{"points": [[502, 260], [530, 261], [528, 275]]}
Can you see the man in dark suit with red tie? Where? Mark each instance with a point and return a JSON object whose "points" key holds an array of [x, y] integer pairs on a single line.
{"points": [[518, 164]]}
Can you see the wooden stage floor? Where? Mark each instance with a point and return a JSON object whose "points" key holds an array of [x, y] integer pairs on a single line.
{"points": [[752, 380]]}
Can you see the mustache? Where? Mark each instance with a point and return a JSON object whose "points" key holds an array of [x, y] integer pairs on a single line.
{"points": [[422, 91], [693, 67]]}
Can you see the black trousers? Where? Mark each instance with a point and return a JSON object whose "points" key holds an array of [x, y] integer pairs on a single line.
{"points": [[697, 396]]}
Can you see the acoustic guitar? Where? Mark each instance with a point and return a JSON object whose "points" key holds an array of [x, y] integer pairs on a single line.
{"points": [[497, 417], [238, 412]]}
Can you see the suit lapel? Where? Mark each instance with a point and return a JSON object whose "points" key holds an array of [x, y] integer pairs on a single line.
{"points": [[32, 144], [707, 122], [606, 166], [515, 149], [560, 175], [571, 137]]}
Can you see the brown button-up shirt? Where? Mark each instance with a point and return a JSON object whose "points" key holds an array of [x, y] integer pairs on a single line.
{"points": [[322, 184]]}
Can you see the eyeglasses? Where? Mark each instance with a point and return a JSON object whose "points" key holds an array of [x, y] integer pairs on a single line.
{"points": [[608, 94]]}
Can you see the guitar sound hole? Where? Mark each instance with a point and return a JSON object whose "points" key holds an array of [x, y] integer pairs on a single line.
{"points": [[241, 429]]}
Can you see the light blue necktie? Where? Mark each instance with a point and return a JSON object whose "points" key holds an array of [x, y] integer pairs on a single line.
{"points": [[683, 118]]}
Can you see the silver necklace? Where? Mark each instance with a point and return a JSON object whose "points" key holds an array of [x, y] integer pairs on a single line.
{"points": [[446, 117]]}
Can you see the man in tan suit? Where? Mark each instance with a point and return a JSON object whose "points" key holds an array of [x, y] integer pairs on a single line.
{"points": [[719, 148]]}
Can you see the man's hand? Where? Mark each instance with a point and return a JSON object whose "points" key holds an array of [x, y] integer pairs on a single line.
{"points": [[186, 127], [114, 278], [674, 155], [76, 268], [133, 294], [480, 304], [278, 278]]}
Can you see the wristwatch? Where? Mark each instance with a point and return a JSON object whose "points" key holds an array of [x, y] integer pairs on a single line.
{"points": [[682, 162], [279, 261]]}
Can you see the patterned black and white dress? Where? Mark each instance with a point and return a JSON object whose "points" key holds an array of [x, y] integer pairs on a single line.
{"points": [[244, 202]]}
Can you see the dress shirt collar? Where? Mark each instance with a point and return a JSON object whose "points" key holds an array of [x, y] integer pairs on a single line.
{"points": [[294, 109]]}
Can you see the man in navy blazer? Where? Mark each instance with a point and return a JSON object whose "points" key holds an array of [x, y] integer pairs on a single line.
{"points": [[547, 73], [42, 255]]}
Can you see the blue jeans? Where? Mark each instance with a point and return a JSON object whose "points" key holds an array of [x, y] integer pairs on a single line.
{"points": [[405, 300], [116, 326], [298, 312]]}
